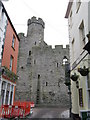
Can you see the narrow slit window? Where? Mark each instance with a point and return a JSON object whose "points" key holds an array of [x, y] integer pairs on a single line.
{"points": [[46, 83], [29, 53]]}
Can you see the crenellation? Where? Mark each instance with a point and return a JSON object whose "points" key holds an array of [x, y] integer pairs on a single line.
{"points": [[50, 46], [61, 48], [36, 21], [58, 46], [67, 46], [29, 22], [21, 35]]}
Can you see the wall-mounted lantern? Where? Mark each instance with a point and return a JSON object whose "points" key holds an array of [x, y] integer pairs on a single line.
{"points": [[83, 71]]}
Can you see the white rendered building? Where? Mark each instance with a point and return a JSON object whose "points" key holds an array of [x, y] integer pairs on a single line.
{"points": [[3, 24], [78, 14]]}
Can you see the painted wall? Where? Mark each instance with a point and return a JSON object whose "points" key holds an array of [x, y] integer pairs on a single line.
{"points": [[76, 52], [8, 49]]}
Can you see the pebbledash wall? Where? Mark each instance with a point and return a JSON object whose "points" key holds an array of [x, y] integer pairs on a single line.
{"points": [[40, 68]]}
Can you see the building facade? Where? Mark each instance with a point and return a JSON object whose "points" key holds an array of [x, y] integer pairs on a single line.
{"points": [[79, 27], [40, 68], [9, 44]]}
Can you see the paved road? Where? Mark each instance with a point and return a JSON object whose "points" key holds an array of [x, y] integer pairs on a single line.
{"points": [[50, 113]]}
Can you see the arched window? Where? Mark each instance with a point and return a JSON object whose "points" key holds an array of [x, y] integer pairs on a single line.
{"points": [[65, 60]]}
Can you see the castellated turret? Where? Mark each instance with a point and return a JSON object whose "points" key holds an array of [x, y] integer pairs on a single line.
{"points": [[34, 20], [35, 30]]}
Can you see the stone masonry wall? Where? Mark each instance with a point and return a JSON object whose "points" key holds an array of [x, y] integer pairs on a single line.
{"points": [[40, 68]]}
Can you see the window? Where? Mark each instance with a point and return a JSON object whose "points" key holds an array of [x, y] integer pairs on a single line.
{"points": [[0, 39], [29, 53], [13, 41], [59, 83], [38, 76], [57, 64], [7, 97], [11, 63], [46, 83], [82, 35], [78, 3], [35, 43], [0, 13], [73, 41], [65, 60], [34, 62], [11, 98], [89, 94]]}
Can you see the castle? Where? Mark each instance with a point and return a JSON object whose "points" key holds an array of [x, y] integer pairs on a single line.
{"points": [[40, 68]]}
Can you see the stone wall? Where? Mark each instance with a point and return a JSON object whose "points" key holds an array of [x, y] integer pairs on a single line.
{"points": [[40, 68]]}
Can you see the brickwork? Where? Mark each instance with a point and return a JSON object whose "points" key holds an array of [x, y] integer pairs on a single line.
{"points": [[40, 68]]}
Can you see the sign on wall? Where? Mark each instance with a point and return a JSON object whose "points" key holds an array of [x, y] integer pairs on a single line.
{"points": [[81, 97]]}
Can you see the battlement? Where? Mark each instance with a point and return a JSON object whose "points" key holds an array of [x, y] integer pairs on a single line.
{"points": [[37, 21], [21, 35], [60, 47]]}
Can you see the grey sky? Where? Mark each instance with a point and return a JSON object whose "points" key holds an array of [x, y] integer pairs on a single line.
{"points": [[51, 11]]}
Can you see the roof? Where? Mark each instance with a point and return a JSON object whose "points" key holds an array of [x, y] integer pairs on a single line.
{"points": [[68, 8], [9, 19]]}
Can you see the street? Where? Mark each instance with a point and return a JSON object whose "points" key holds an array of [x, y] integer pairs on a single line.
{"points": [[50, 112]]}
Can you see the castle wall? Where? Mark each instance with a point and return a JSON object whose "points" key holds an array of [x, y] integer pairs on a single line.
{"points": [[41, 72], [49, 65]]}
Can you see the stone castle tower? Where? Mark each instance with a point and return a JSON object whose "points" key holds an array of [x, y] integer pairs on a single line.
{"points": [[40, 68]]}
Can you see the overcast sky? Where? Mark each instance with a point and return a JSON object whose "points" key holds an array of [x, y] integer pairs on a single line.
{"points": [[51, 11]]}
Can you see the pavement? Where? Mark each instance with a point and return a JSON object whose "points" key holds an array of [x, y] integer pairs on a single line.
{"points": [[45, 113], [50, 113]]}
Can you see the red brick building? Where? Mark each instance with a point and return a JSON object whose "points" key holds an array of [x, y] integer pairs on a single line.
{"points": [[9, 62]]}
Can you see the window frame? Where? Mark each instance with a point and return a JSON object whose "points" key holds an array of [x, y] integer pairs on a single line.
{"points": [[13, 42], [78, 4], [82, 34], [11, 63]]}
